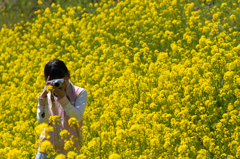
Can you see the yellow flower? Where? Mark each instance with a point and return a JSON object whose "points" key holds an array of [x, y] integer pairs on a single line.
{"points": [[223, 5], [46, 146], [39, 2], [73, 122], [81, 156], [60, 156], [68, 144], [64, 134], [233, 17], [50, 88], [54, 119], [90, 5], [202, 154], [14, 154], [43, 127], [53, 5], [114, 156], [71, 155]]}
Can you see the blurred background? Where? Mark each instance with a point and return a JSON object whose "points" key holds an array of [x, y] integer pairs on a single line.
{"points": [[17, 11]]}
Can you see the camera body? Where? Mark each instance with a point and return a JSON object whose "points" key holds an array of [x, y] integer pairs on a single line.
{"points": [[58, 82]]}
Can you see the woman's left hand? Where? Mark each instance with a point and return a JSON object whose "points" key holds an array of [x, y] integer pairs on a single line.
{"points": [[60, 92]]}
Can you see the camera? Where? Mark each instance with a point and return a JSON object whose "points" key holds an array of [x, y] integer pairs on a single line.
{"points": [[58, 82]]}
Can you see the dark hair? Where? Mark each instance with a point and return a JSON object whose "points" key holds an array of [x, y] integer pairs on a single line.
{"points": [[55, 69]]}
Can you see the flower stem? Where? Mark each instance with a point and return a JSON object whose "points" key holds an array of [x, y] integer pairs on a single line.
{"points": [[78, 135]]}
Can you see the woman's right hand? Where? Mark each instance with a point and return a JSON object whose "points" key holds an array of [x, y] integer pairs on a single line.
{"points": [[44, 92]]}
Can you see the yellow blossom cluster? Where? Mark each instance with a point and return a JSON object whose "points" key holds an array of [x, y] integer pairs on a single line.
{"points": [[73, 123], [50, 88], [162, 78]]}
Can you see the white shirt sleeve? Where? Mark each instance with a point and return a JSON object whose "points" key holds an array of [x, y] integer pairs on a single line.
{"points": [[42, 110], [80, 105]]}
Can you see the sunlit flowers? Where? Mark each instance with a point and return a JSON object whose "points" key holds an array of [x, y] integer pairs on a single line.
{"points": [[73, 122], [50, 88], [46, 147], [60, 156], [162, 79]]}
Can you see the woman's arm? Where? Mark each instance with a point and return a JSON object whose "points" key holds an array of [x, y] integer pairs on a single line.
{"points": [[79, 108], [42, 110]]}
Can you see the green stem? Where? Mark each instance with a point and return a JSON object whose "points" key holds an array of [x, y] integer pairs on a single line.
{"points": [[54, 140], [78, 134], [58, 137]]}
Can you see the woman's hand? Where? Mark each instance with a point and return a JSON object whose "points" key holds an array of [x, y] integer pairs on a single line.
{"points": [[44, 92], [60, 92]]}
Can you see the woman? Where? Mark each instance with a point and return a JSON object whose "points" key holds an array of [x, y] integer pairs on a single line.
{"points": [[69, 101]]}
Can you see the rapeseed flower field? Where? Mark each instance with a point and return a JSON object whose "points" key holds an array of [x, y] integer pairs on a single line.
{"points": [[162, 78]]}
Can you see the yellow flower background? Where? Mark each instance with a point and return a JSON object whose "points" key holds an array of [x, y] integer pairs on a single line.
{"points": [[162, 78]]}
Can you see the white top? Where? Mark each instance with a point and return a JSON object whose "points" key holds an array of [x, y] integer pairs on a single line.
{"points": [[71, 111]]}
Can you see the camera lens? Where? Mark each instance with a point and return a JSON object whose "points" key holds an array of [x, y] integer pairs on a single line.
{"points": [[57, 85], [58, 82]]}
